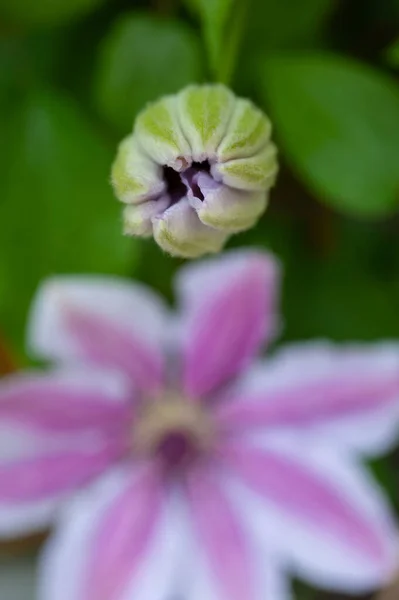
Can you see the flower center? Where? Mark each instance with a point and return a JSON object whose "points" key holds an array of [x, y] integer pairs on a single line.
{"points": [[178, 184], [174, 429]]}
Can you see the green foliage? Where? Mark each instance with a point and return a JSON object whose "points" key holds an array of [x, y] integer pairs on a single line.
{"points": [[392, 54], [338, 121], [279, 25], [341, 296], [142, 58], [269, 27], [57, 211], [44, 12]]}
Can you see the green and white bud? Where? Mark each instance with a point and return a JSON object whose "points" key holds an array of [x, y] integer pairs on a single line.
{"points": [[197, 168], [135, 177]]}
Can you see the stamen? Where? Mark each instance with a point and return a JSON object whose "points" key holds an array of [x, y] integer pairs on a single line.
{"points": [[174, 429], [177, 449]]}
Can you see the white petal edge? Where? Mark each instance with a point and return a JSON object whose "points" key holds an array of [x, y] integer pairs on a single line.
{"points": [[309, 555], [371, 434], [32, 517], [133, 307], [271, 578], [67, 548], [196, 281], [19, 439], [113, 386], [25, 518]]}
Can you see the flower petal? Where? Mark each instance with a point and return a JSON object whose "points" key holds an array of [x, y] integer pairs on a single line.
{"points": [[43, 476], [319, 510], [137, 219], [223, 560], [39, 474], [180, 232], [271, 581], [248, 132], [256, 173], [229, 307], [105, 321], [158, 132], [57, 432], [226, 208], [204, 114], [221, 535], [348, 393], [66, 402], [118, 540], [135, 177]]}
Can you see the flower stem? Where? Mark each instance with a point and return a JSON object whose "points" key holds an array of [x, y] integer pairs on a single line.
{"points": [[233, 42]]}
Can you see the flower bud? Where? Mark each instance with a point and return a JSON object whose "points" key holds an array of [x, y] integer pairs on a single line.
{"points": [[197, 168]]}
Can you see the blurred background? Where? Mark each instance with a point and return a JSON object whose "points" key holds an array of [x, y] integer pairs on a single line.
{"points": [[73, 74]]}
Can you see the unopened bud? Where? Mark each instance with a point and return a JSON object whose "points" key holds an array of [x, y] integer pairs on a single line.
{"points": [[197, 168]]}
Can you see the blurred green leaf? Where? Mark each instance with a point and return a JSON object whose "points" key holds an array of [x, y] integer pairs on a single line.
{"points": [[347, 294], [57, 212], [282, 23], [392, 54], [338, 301], [278, 25], [44, 12], [302, 591], [157, 269], [338, 122], [143, 57], [387, 473]]}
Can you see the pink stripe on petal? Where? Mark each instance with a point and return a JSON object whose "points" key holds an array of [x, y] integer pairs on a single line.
{"points": [[106, 344], [123, 536], [41, 477], [221, 535], [228, 322], [55, 407], [311, 403], [306, 497]]}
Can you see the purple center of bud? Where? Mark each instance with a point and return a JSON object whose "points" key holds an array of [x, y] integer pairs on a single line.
{"points": [[179, 184]]}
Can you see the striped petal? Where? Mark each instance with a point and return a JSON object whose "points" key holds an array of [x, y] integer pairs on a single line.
{"points": [[221, 536], [103, 321], [57, 432], [229, 311], [66, 401], [223, 561], [348, 393], [319, 510], [118, 540]]}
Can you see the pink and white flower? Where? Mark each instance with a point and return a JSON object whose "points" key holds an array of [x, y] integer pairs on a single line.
{"points": [[177, 467]]}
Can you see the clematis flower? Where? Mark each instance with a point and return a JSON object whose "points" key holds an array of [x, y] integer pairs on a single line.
{"points": [[197, 167], [176, 464]]}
